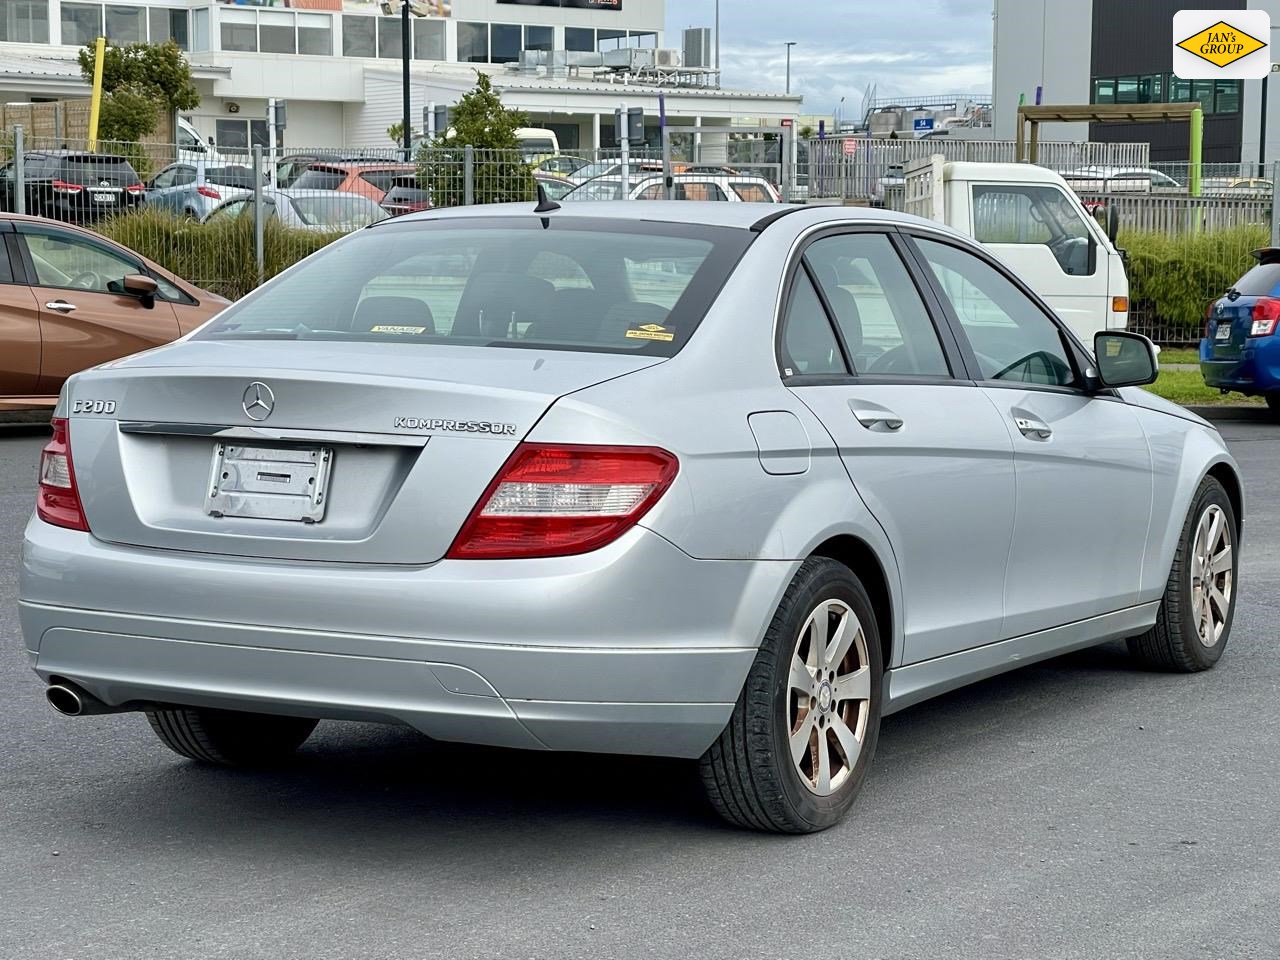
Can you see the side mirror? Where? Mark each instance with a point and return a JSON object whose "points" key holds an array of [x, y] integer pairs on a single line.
{"points": [[1125, 359], [1113, 223], [142, 287]]}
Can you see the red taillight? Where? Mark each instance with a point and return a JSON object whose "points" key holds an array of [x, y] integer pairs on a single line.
{"points": [[1266, 313], [57, 500], [135, 188], [560, 500], [61, 186], [1208, 316], [209, 192]]}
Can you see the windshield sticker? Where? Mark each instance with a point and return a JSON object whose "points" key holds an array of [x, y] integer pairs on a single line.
{"points": [[651, 331], [394, 328]]}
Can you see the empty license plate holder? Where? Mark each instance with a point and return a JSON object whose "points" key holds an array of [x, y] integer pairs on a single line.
{"points": [[269, 483]]}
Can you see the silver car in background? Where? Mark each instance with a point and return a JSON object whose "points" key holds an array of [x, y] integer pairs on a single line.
{"points": [[193, 190], [322, 211], [720, 481]]}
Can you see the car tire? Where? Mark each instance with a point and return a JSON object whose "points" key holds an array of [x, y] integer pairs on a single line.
{"points": [[1191, 628], [751, 774], [228, 737]]}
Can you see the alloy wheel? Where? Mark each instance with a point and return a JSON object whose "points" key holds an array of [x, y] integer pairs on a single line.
{"points": [[1211, 580], [829, 697]]}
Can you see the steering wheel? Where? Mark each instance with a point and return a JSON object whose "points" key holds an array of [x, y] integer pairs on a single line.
{"points": [[88, 280], [1050, 361], [897, 360]]}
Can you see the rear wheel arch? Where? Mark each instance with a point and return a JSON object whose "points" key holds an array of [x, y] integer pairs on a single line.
{"points": [[859, 557]]}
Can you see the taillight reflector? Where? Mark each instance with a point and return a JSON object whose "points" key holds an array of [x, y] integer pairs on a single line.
{"points": [[206, 191], [57, 499], [560, 500], [1266, 313], [61, 186], [135, 188]]}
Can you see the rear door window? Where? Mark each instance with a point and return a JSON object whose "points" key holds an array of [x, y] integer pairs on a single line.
{"points": [[320, 178], [1262, 281], [751, 193]]}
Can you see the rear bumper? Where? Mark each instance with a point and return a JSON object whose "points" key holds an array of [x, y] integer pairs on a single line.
{"points": [[1255, 371], [636, 648]]}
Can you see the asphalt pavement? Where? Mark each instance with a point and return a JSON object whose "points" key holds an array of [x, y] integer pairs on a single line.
{"points": [[1079, 808]]}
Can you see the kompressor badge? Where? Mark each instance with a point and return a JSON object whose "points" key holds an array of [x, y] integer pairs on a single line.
{"points": [[1221, 44]]}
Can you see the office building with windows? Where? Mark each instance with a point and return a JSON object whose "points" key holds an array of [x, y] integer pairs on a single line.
{"points": [[337, 63], [1105, 51]]}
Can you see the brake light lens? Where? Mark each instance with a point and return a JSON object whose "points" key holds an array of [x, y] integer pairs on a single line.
{"points": [[61, 186], [209, 192], [1266, 314], [559, 500], [135, 188], [57, 499], [1208, 318]]}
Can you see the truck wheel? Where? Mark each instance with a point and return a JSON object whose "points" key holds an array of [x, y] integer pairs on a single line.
{"points": [[804, 729], [227, 737], [1194, 621]]}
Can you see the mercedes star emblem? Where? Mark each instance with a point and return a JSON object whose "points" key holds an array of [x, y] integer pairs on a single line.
{"points": [[258, 401]]}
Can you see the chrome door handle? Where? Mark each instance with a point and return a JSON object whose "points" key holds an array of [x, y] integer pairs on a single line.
{"points": [[878, 418], [1035, 429], [60, 306]]}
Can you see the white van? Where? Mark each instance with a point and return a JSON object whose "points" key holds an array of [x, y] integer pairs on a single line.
{"points": [[193, 149], [537, 143], [1031, 219]]}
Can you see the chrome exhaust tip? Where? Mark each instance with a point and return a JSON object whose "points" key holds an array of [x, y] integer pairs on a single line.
{"points": [[68, 701]]}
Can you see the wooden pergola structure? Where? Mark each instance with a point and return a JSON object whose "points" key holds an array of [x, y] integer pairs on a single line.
{"points": [[1107, 113]]}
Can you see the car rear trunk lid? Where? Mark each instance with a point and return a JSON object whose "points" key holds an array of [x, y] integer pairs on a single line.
{"points": [[351, 452]]}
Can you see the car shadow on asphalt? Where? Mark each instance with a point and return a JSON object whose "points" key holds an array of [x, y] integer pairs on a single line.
{"points": [[394, 794]]}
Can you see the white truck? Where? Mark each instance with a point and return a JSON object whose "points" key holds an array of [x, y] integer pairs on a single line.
{"points": [[1035, 223]]}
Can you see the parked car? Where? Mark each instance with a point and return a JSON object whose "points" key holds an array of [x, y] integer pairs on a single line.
{"points": [[684, 187], [70, 299], [73, 185], [1097, 179], [613, 168], [371, 180], [1241, 346], [537, 143], [194, 189], [556, 187], [405, 196], [323, 211], [1247, 188], [612, 481], [291, 166], [564, 165], [192, 147]]}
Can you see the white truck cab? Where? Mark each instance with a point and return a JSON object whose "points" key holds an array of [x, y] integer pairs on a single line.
{"points": [[1035, 223]]}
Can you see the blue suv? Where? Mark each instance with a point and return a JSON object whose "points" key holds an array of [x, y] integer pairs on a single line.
{"points": [[1241, 346]]}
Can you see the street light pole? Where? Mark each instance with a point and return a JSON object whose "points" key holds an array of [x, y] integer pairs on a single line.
{"points": [[404, 55], [790, 44]]}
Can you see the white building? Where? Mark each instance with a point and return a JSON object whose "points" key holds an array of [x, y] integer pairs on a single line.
{"points": [[338, 62]]}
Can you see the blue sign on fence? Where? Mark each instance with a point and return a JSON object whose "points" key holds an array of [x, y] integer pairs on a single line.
{"points": [[924, 123]]}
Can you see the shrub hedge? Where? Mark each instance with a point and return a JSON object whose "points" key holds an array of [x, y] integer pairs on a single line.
{"points": [[217, 256]]}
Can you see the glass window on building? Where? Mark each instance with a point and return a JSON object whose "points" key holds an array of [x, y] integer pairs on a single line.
{"points": [[1126, 90], [276, 32], [644, 38], [24, 21], [1202, 90], [539, 38], [390, 37], [239, 30], [1104, 90], [200, 30], [81, 23], [473, 43], [359, 37], [610, 40], [504, 42], [1151, 89], [126, 25], [170, 25], [1228, 98], [315, 34], [581, 39], [1179, 90], [428, 39]]}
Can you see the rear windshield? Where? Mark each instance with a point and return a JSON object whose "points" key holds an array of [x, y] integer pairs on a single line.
{"points": [[230, 176], [79, 168], [577, 284], [1261, 281], [320, 178], [342, 212]]}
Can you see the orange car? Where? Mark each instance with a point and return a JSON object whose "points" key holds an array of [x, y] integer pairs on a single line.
{"points": [[71, 299], [371, 180]]}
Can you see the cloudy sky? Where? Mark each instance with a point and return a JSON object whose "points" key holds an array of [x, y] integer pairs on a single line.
{"points": [[913, 47]]}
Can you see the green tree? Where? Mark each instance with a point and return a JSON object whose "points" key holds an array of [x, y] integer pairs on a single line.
{"points": [[160, 66], [807, 132], [501, 174]]}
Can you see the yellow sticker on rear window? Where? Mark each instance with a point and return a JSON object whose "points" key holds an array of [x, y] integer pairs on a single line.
{"points": [[394, 328], [651, 331]]}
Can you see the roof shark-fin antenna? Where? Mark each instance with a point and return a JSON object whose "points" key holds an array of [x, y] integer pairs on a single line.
{"points": [[545, 203]]}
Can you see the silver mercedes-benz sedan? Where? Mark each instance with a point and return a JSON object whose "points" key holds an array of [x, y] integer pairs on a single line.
{"points": [[717, 481]]}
